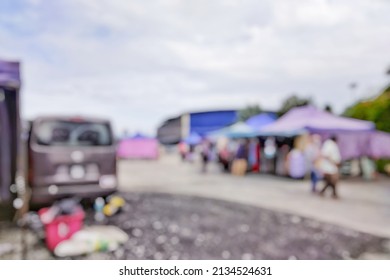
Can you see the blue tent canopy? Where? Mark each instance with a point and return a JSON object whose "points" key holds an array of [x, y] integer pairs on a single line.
{"points": [[193, 139], [261, 120], [237, 130], [139, 136]]}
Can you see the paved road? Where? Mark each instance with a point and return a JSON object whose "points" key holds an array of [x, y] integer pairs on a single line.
{"points": [[363, 206], [176, 212]]}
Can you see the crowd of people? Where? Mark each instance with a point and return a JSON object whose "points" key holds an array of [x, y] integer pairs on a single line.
{"points": [[306, 156]]}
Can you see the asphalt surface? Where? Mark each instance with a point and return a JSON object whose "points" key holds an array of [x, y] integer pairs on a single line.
{"points": [[363, 206], [176, 212], [165, 226]]}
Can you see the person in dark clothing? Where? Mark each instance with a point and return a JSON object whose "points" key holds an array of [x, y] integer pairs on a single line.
{"points": [[243, 150], [240, 164], [190, 154], [205, 154]]}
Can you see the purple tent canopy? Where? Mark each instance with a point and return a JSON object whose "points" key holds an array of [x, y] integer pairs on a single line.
{"points": [[9, 74], [261, 120], [314, 120], [356, 138]]}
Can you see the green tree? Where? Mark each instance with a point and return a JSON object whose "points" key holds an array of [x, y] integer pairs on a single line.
{"points": [[292, 102], [249, 111], [376, 110]]}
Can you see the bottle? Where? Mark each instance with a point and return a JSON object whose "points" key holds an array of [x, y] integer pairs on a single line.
{"points": [[98, 206], [114, 205], [110, 210], [117, 201]]}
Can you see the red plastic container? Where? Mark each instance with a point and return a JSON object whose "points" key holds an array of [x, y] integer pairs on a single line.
{"points": [[62, 227]]}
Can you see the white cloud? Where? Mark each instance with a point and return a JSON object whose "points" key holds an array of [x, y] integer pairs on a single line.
{"points": [[138, 61]]}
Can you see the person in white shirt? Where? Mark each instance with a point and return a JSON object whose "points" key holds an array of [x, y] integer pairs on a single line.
{"points": [[329, 165]]}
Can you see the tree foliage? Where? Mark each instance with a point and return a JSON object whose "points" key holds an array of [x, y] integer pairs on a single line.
{"points": [[292, 102], [249, 111], [376, 110]]}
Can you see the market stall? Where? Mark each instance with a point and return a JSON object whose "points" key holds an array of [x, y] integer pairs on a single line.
{"points": [[354, 136], [138, 147]]}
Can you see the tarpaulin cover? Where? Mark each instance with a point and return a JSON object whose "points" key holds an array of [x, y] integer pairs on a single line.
{"points": [[138, 148], [314, 120], [204, 122]]}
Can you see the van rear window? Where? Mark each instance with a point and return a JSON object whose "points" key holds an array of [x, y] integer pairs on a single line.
{"points": [[69, 133]]}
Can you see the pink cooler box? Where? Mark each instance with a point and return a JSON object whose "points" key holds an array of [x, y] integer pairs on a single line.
{"points": [[62, 227]]}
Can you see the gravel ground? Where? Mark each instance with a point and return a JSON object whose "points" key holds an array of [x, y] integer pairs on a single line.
{"points": [[163, 226]]}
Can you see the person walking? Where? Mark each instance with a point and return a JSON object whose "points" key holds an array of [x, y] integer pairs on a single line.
{"points": [[183, 150], [329, 165], [205, 154], [190, 154], [313, 155]]}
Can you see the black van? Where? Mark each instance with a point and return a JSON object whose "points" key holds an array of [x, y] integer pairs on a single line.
{"points": [[71, 156]]}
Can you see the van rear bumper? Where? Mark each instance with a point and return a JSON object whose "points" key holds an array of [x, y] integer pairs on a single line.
{"points": [[50, 194]]}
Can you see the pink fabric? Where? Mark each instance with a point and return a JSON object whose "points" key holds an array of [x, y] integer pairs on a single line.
{"points": [[138, 148]]}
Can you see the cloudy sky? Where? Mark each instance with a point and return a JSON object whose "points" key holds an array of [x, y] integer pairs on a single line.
{"points": [[138, 61]]}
